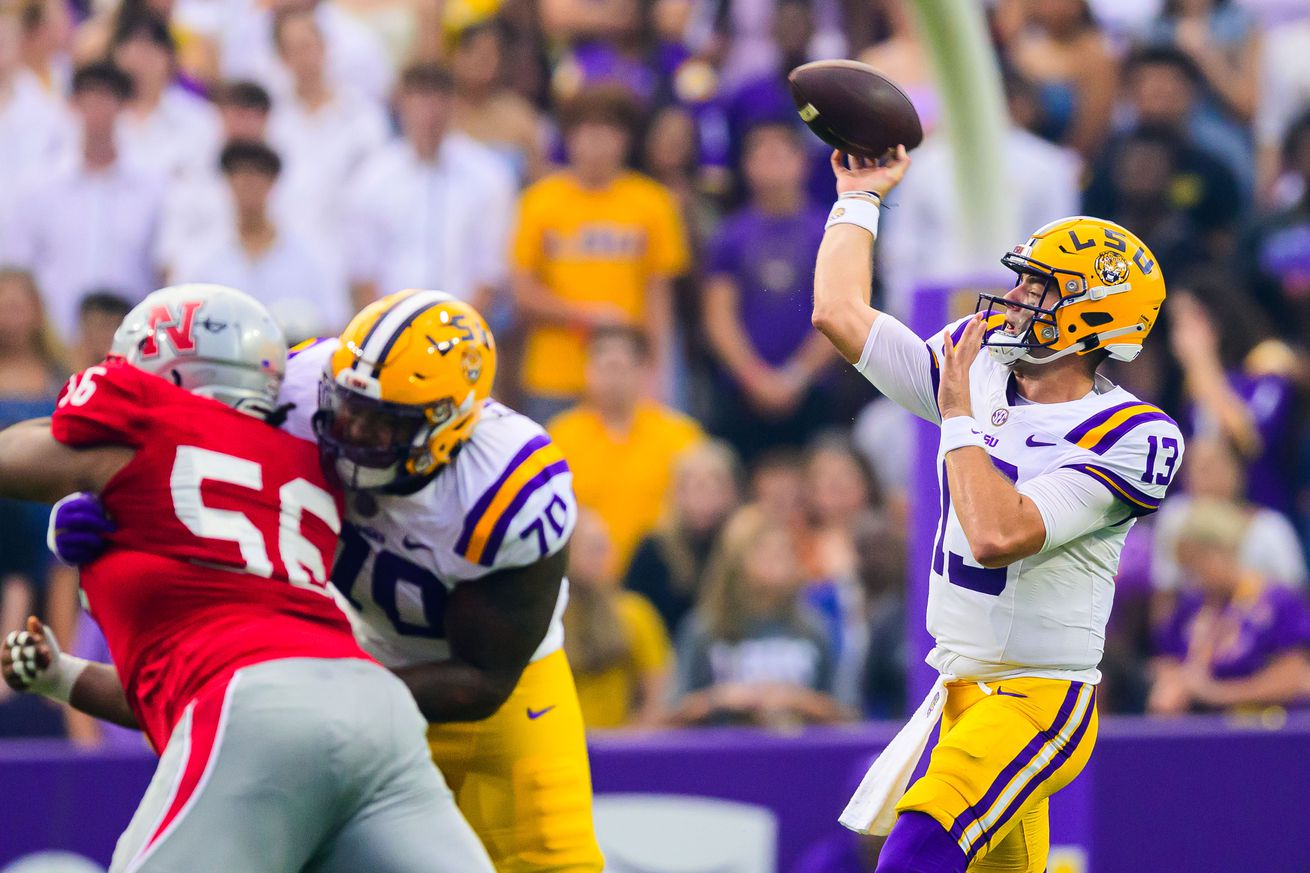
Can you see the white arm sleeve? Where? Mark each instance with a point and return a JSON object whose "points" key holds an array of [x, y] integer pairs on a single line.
{"points": [[901, 366], [1072, 505]]}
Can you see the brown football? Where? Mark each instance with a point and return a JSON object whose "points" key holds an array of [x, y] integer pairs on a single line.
{"points": [[854, 108]]}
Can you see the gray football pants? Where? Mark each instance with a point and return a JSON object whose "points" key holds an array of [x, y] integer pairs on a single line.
{"points": [[306, 764]]}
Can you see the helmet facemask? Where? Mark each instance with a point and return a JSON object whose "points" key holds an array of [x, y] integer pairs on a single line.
{"points": [[370, 443], [1043, 329]]}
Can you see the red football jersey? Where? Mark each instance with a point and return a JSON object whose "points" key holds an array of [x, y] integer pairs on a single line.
{"points": [[226, 534]]}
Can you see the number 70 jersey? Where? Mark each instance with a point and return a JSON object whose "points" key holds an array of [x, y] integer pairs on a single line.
{"points": [[505, 501]]}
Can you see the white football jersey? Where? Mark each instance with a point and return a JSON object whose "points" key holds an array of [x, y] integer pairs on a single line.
{"points": [[1092, 466], [505, 501]]}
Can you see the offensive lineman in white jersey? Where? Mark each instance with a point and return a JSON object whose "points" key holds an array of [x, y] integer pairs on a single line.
{"points": [[1043, 467]]}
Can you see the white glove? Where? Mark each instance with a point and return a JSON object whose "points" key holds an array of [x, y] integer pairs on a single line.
{"points": [[55, 681]]}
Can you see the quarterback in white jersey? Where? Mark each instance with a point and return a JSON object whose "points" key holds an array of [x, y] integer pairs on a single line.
{"points": [[1043, 466], [451, 566]]}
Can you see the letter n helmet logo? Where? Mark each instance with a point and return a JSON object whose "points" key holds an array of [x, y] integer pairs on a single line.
{"points": [[178, 328]]}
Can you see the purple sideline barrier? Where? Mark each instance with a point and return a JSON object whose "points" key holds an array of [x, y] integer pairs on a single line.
{"points": [[1203, 795]]}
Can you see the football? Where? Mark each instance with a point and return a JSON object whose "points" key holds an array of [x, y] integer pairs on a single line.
{"points": [[854, 108]]}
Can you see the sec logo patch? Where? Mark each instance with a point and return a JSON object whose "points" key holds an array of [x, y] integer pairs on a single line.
{"points": [[1000, 417]]}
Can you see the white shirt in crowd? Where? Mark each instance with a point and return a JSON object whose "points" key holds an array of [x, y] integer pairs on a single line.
{"points": [[84, 230], [1270, 547], [442, 225], [290, 279], [321, 152], [922, 239], [180, 137], [356, 56], [35, 131], [1284, 81]]}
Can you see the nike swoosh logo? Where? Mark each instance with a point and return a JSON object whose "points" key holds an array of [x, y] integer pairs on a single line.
{"points": [[1037, 443], [533, 715], [415, 544], [1004, 693]]}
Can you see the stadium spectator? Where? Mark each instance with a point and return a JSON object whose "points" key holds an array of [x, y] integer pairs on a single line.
{"points": [[622, 447], [271, 263], [117, 208], [777, 486], [1222, 39], [1251, 406], [596, 245], [1234, 640], [1268, 544], [839, 488], [1163, 86], [751, 652], [47, 25], [1284, 95], [616, 643], [1276, 256], [1144, 175], [488, 111], [923, 240], [409, 30], [901, 56], [430, 210], [199, 207], [356, 57], [324, 132], [668, 567], [32, 370], [1060, 48], [34, 128], [880, 553], [98, 317], [671, 155], [197, 56], [759, 271], [164, 126]]}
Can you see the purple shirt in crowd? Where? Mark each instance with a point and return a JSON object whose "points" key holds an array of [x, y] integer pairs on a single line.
{"points": [[1261, 627], [771, 260]]}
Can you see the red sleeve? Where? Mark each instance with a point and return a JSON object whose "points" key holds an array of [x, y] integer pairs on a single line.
{"points": [[107, 404]]}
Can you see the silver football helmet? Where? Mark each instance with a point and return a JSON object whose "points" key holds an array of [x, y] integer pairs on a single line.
{"points": [[212, 340]]}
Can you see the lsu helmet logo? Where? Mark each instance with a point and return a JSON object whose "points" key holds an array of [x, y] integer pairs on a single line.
{"points": [[1111, 267], [179, 329], [471, 361]]}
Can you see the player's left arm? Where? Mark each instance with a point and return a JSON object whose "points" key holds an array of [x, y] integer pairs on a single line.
{"points": [[493, 625], [1001, 524]]}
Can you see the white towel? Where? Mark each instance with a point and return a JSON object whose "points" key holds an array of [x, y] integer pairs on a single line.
{"points": [[872, 809]]}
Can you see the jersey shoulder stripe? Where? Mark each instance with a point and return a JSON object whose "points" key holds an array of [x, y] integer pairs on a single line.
{"points": [[1137, 500], [1103, 430], [486, 524], [306, 345]]}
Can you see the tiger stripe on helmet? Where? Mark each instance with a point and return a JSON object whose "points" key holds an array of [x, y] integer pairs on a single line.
{"points": [[386, 331]]}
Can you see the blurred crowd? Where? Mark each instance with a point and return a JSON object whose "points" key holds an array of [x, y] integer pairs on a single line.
{"points": [[624, 187]]}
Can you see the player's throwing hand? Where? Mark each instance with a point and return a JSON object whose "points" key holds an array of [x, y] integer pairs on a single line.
{"points": [[864, 174], [953, 392], [27, 656]]}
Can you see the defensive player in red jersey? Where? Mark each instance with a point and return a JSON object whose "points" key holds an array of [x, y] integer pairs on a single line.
{"points": [[284, 746]]}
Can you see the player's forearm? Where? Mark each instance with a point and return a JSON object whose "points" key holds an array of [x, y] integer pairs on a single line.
{"points": [[843, 281], [451, 690], [35, 466], [99, 693], [1001, 525]]}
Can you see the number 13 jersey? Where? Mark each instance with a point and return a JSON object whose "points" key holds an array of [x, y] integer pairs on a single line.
{"points": [[1092, 466], [505, 501]]}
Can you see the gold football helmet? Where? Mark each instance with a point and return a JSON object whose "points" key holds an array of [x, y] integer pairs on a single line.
{"points": [[1103, 290], [404, 389]]}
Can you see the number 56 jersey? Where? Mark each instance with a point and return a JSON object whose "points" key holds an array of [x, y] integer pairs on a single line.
{"points": [[1092, 466], [506, 500]]}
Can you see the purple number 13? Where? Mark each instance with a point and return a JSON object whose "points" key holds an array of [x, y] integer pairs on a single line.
{"points": [[1155, 445]]}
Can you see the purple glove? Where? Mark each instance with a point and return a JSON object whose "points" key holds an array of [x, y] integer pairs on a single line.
{"points": [[79, 529]]}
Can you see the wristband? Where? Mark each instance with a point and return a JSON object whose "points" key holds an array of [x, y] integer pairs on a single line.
{"points": [[61, 685], [859, 208], [960, 431]]}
